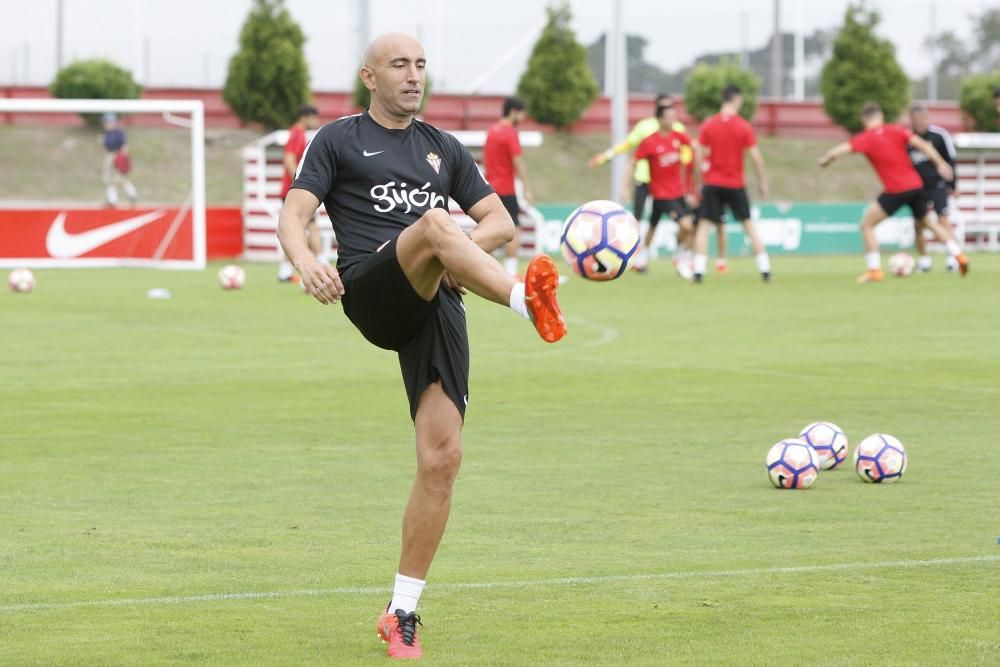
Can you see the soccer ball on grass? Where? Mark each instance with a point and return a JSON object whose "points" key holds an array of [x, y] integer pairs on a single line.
{"points": [[880, 459], [599, 240], [232, 277], [901, 264], [21, 280], [792, 464], [829, 441]]}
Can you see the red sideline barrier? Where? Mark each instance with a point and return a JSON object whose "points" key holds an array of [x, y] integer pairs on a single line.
{"points": [[224, 228], [477, 112]]}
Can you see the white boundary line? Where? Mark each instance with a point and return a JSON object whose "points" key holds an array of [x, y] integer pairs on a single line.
{"points": [[485, 585]]}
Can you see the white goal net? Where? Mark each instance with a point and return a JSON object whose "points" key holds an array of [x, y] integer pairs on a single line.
{"points": [[127, 189]]}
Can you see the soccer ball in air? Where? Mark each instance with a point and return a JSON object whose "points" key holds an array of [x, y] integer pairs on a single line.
{"points": [[21, 280], [599, 239], [901, 264], [880, 458], [829, 441], [792, 464], [232, 277]]}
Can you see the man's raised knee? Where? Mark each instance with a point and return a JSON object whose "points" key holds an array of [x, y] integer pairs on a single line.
{"points": [[442, 462], [437, 225]]}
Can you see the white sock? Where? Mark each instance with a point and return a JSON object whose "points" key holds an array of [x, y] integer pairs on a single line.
{"points": [[925, 262], [643, 255], [873, 260], [130, 190], [112, 194], [510, 265], [285, 270], [953, 249], [700, 263], [763, 263], [517, 302], [406, 593]]}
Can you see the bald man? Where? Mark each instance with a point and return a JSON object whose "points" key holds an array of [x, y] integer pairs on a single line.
{"points": [[403, 264]]}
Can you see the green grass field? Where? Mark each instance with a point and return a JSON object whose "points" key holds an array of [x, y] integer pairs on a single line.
{"points": [[219, 478]]}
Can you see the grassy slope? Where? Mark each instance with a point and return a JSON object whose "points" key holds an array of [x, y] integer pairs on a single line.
{"points": [[67, 167], [252, 441]]}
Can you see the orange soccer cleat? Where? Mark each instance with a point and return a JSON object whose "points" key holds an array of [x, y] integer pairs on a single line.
{"points": [[540, 283], [399, 630], [963, 263], [871, 276]]}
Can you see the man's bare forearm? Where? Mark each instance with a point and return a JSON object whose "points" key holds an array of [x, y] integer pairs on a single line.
{"points": [[493, 231]]}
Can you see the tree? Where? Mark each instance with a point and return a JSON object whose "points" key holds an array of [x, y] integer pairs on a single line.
{"points": [[863, 68], [976, 100], [94, 79], [703, 90], [958, 57], [557, 86], [361, 97], [268, 79]]}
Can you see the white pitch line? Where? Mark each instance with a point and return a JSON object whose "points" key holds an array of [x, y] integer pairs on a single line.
{"points": [[560, 581]]}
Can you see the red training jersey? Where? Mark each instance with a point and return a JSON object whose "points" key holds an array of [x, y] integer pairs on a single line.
{"points": [[663, 152], [885, 147], [726, 136], [296, 145], [501, 146]]}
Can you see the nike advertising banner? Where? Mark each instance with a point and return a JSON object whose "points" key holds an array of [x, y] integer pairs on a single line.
{"points": [[97, 237]]}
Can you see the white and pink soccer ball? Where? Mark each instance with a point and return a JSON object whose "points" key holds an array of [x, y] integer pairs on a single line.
{"points": [[21, 280], [232, 277], [829, 441], [902, 264], [792, 464], [599, 240], [880, 459]]}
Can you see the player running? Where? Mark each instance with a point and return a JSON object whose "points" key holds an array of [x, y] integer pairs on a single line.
{"points": [[295, 147], [720, 147], [885, 146], [665, 151], [385, 179], [936, 189], [502, 161]]}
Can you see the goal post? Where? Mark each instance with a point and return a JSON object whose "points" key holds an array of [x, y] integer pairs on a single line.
{"points": [[171, 234]]}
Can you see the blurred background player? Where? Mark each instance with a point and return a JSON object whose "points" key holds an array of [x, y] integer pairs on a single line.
{"points": [[665, 151], [886, 147], [295, 147], [722, 141], [117, 162], [936, 189], [502, 161]]}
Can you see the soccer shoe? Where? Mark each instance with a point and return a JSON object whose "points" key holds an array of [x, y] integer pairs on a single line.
{"points": [[963, 263], [684, 270], [871, 276], [540, 283], [766, 276], [721, 268], [399, 630]]}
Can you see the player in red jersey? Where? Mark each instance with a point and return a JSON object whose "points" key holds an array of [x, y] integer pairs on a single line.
{"points": [[885, 146], [295, 147], [665, 150], [723, 140], [502, 161]]}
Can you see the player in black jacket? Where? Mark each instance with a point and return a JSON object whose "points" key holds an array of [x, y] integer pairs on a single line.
{"points": [[936, 189]]}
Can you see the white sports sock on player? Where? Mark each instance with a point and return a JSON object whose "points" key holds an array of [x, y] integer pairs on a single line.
{"points": [[763, 263], [953, 248], [517, 302], [925, 262], [873, 260], [130, 190], [510, 265], [643, 255], [285, 270], [112, 194], [406, 593], [700, 263]]}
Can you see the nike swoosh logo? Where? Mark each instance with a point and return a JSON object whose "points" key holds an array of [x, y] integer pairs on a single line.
{"points": [[379, 249], [367, 154], [61, 244]]}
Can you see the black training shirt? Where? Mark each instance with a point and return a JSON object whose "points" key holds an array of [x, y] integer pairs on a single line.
{"points": [[941, 140], [375, 182]]}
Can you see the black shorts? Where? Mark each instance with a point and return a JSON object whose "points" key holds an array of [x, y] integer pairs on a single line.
{"points": [[715, 199], [429, 336], [915, 200], [937, 200], [675, 208], [510, 203], [640, 195]]}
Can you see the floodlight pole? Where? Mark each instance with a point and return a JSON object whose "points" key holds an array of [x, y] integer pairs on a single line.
{"points": [[619, 95], [59, 34]]}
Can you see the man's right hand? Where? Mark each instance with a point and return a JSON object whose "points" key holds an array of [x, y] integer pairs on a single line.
{"points": [[597, 160], [322, 281]]}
